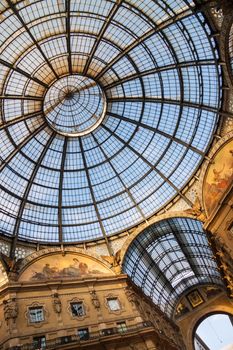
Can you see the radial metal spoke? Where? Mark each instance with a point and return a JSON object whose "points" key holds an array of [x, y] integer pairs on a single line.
{"points": [[120, 179], [101, 34], [25, 196], [150, 165], [21, 145], [16, 12], [93, 197], [20, 119], [68, 36], [144, 37], [163, 100], [156, 130], [61, 189], [21, 97], [155, 70], [20, 71]]}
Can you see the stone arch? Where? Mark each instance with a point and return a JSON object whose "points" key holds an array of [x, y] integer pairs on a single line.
{"points": [[223, 307]]}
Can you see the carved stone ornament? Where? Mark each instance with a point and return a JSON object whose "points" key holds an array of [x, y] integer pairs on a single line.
{"points": [[114, 260], [12, 265], [57, 306], [94, 299], [131, 296], [197, 210], [10, 310]]}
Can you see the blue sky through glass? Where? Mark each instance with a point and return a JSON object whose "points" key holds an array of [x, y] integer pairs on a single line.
{"points": [[217, 332]]}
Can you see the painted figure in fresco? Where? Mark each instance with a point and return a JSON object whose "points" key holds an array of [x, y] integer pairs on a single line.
{"points": [[72, 270], [75, 269], [49, 271], [219, 177]]}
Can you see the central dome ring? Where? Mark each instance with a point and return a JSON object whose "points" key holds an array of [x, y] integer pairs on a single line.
{"points": [[74, 105]]}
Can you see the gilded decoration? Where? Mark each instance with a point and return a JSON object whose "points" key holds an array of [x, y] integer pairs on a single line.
{"points": [[57, 266], [218, 177], [197, 210], [195, 298]]}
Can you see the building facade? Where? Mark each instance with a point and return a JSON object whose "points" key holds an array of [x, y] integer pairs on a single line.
{"points": [[116, 221]]}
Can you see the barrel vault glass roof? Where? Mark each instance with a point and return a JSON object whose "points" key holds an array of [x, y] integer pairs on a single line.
{"points": [[170, 257], [155, 62]]}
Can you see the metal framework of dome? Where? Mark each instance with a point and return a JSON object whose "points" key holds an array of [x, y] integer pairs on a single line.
{"points": [[107, 110], [169, 258]]}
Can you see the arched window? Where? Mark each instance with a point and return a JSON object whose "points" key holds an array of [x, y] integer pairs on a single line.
{"points": [[214, 332]]}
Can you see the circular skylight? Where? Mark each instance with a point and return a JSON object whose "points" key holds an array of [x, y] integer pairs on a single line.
{"points": [[74, 105], [107, 110]]}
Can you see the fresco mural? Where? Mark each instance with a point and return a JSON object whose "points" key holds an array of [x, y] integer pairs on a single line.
{"points": [[57, 266], [219, 177]]}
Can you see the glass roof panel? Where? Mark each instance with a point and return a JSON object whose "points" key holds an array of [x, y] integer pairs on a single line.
{"points": [[97, 160], [168, 257]]}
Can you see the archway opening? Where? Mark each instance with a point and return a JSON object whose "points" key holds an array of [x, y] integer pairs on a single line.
{"points": [[214, 332]]}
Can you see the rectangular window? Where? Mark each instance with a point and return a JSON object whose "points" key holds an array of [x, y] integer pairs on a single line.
{"points": [[113, 304], [108, 331], [77, 309], [121, 327], [39, 342], [66, 339], [36, 314], [83, 333]]}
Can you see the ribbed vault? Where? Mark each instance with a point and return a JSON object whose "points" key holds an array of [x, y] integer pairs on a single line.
{"points": [[170, 257], [139, 90]]}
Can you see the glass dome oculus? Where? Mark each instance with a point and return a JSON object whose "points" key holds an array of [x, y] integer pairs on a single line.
{"points": [[74, 105]]}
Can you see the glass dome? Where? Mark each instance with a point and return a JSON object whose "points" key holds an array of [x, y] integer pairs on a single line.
{"points": [[107, 110]]}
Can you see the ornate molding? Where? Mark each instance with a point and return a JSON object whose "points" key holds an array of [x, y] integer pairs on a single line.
{"points": [[113, 296], [36, 304], [85, 309]]}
